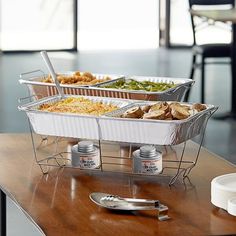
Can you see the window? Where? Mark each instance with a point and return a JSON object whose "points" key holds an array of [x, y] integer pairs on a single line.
{"points": [[181, 29], [123, 24], [36, 25]]}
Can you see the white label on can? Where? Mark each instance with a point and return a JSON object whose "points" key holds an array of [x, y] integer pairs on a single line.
{"points": [[89, 162], [151, 166]]}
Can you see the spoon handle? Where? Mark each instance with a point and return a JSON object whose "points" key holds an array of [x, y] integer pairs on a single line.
{"points": [[52, 72]]}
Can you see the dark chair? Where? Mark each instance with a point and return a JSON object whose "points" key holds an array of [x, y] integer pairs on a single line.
{"points": [[207, 50]]}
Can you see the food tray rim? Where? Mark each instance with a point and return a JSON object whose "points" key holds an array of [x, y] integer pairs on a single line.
{"points": [[187, 82], [109, 115], [32, 80], [29, 106]]}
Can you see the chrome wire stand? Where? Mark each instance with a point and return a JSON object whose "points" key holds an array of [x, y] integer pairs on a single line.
{"points": [[181, 167]]}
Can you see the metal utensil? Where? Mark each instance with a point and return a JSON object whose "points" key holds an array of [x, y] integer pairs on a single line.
{"points": [[115, 202], [52, 72]]}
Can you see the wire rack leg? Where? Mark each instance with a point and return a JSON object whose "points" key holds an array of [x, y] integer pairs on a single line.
{"points": [[187, 172], [44, 168], [34, 149], [179, 171], [100, 154]]}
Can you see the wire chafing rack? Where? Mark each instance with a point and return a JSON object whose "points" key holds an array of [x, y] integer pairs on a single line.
{"points": [[107, 128], [178, 160]]}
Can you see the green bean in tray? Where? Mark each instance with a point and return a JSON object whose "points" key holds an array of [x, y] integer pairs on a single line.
{"points": [[132, 84]]}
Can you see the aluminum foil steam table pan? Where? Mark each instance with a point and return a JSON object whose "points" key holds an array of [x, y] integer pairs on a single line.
{"points": [[173, 94], [146, 131], [66, 124], [111, 127], [36, 86]]}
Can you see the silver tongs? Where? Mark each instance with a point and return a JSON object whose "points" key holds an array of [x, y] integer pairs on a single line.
{"points": [[115, 202]]}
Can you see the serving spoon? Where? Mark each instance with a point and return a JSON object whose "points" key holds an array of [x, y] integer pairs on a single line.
{"points": [[52, 72]]}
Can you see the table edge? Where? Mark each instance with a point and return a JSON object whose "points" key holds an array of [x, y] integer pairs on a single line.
{"points": [[10, 195]]}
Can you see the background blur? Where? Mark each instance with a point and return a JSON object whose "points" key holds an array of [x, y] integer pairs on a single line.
{"points": [[131, 37]]}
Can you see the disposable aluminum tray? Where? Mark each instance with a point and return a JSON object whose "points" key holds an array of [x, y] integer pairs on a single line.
{"points": [[66, 124], [33, 80], [159, 132], [41, 89], [173, 94]]}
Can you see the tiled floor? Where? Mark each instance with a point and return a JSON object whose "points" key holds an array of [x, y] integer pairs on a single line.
{"points": [[220, 135]]}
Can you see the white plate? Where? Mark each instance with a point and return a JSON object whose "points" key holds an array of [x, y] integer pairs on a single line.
{"points": [[223, 188]]}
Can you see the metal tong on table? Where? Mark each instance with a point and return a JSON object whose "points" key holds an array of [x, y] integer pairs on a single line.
{"points": [[115, 202]]}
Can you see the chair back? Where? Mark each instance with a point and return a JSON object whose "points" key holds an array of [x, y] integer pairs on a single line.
{"points": [[207, 3], [211, 2]]}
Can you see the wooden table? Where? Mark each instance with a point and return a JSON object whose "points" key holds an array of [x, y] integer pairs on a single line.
{"points": [[59, 203], [225, 16]]}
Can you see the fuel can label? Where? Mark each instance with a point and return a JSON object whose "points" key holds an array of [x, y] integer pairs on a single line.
{"points": [[89, 162], [151, 166]]}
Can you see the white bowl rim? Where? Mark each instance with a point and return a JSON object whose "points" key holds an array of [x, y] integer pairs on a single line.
{"points": [[215, 182]]}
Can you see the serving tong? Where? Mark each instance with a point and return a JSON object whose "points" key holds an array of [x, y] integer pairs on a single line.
{"points": [[115, 202]]}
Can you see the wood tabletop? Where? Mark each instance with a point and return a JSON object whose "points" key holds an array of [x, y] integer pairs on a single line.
{"points": [[216, 15], [59, 202]]}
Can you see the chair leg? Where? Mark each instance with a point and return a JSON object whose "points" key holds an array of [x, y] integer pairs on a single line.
{"points": [[3, 214], [203, 80], [191, 76], [193, 67]]}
